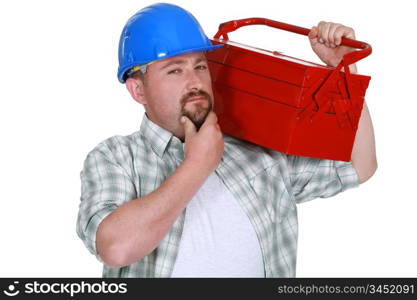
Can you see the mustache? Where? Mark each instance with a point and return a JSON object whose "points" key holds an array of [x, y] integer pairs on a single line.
{"points": [[199, 93]]}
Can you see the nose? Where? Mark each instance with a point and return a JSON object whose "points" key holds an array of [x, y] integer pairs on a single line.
{"points": [[194, 81]]}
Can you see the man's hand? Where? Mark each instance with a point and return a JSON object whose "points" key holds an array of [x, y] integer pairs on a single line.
{"points": [[203, 147], [325, 39]]}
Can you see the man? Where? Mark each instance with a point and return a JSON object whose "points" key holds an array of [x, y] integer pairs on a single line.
{"points": [[180, 199]]}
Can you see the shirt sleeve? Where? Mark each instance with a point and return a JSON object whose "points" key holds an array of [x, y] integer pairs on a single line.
{"points": [[105, 185], [319, 178]]}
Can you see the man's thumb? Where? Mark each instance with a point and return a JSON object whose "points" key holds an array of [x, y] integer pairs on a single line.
{"points": [[189, 127], [313, 33]]}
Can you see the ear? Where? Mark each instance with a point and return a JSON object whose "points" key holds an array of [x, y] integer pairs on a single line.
{"points": [[136, 89]]}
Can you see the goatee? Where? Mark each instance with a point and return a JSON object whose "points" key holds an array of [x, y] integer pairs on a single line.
{"points": [[201, 110]]}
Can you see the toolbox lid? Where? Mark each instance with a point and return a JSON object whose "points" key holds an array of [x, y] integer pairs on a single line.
{"points": [[267, 63]]}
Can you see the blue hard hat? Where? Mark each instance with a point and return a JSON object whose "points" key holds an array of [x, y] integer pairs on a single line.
{"points": [[157, 32]]}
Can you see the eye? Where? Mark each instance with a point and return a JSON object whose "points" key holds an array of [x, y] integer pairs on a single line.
{"points": [[201, 67], [175, 71]]}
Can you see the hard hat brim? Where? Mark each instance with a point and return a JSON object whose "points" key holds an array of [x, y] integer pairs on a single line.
{"points": [[122, 72]]}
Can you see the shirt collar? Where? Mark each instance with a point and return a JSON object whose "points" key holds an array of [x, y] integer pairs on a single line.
{"points": [[159, 138]]}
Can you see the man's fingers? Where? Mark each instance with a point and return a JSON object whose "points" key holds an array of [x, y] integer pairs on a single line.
{"points": [[332, 29], [338, 34], [349, 32], [189, 127], [331, 34], [323, 28], [211, 119]]}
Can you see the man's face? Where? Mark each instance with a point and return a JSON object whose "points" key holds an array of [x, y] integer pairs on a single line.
{"points": [[178, 86]]}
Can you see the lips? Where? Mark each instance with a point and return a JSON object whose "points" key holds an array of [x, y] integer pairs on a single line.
{"points": [[198, 98], [195, 96]]}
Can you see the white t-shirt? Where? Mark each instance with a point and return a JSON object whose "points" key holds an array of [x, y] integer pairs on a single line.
{"points": [[218, 239]]}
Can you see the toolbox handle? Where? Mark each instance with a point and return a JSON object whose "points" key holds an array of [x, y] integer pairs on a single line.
{"points": [[348, 58]]}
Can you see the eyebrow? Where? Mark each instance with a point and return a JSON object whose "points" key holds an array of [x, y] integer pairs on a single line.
{"points": [[200, 59], [181, 62], [173, 62]]}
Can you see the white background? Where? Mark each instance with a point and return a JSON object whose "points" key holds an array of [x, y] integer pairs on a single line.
{"points": [[60, 97]]}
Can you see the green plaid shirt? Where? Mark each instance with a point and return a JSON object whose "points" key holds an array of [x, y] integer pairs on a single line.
{"points": [[266, 183]]}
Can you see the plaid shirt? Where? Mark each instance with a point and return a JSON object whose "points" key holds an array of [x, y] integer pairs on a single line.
{"points": [[266, 183]]}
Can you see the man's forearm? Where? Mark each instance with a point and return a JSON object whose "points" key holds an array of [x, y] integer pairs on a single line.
{"points": [[363, 152], [136, 228]]}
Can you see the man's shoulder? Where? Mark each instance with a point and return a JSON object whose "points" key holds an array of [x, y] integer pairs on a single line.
{"points": [[242, 145], [241, 149], [118, 145]]}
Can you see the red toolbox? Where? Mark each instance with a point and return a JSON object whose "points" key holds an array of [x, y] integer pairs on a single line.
{"points": [[284, 103]]}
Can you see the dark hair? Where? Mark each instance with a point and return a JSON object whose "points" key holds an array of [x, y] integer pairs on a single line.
{"points": [[138, 75]]}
